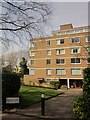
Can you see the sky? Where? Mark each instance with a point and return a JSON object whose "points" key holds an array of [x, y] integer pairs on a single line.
{"points": [[65, 13], [69, 12]]}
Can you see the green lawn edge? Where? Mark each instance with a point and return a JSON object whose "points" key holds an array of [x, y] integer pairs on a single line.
{"points": [[35, 98]]}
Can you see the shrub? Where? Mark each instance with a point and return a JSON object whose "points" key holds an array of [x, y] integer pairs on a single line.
{"points": [[55, 84], [86, 81], [78, 107], [10, 85], [81, 105], [24, 70], [7, 69]]}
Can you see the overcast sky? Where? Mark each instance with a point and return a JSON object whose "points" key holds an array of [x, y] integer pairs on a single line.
{"points": [[65, 13], [69, 12]]}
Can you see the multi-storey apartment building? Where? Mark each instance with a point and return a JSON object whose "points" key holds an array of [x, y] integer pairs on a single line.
{"points": [[61, 57]]}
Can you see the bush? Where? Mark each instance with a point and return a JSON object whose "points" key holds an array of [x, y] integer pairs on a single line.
{"points": [[78, 107], [7, 69], [86, 81], [81, 105], [55, 84], [10, 85]]}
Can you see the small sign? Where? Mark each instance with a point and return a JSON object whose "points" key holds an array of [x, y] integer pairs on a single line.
{"points": [[12, 100]]}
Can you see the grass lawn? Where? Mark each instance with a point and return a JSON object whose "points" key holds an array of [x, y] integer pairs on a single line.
{"points": [[31, 95]]}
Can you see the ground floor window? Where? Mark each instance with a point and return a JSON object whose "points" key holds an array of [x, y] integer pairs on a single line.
{"points": [[31, 71], [88, 60], [48, 81], [48, 71], [76, 71], [60, 71]]}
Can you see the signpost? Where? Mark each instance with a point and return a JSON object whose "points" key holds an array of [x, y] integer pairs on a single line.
{"points": [[43, 104]]}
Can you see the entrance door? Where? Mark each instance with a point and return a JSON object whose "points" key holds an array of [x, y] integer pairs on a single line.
{"points": [[63, 82], [75, 83]]}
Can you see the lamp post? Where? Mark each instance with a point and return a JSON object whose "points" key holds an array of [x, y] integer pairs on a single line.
{"points": [[43, 104]]}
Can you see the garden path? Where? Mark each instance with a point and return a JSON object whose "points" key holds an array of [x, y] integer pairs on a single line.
{"points": [[57, 108]]}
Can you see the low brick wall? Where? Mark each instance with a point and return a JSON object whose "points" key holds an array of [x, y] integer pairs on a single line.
{"points": [[28, 81]]}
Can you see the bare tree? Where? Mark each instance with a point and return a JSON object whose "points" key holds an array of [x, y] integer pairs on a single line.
{"points": [[9, 59], [22, 20], [86, 54], [13, 58]]}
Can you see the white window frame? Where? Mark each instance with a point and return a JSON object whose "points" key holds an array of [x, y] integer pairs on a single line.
{"points": [[48, 80], [48, 71], [60, 59], [48, 52], [48, 62], [31, 71], [88, 49], [32, 62], [61, 71], [32, 45], [74, 40], [76, 71], [74, 48], [58, 51], [87, 38], [48, 43], [88, 60], [75, 61], [32, 53], [58, 41]]}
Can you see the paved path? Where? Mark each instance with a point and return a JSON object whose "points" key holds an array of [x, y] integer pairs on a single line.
{"points": [[57, 108]]}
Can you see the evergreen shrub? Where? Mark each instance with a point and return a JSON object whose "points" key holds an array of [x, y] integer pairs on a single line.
{"points": [[81, 106], [55, 84], [10, 85]]}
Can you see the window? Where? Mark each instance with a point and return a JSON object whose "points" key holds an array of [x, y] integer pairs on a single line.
{"points": [[32, 53], [48, 81], [48, 52], [60, 41], [88, 49], [79, 31], [74, 50], [48, 71], [60, 61], [87, 38], [86, 30], [31, 71], [88, 60], [70, 32], [48, 62], [60, 51], [76, 71], [31, 62], [75, 40], [48, 43], [32, 45], [60, 71], [75, 60], [61, 33]]}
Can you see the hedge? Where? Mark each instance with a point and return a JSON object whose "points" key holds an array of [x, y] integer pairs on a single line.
{"points": [[10, 85], [81, 105]]}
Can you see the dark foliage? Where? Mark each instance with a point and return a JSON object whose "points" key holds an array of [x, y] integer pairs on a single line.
{"points": [[55, 84], [24, 70], [10, 85], [7, 69], [81, 106]]}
